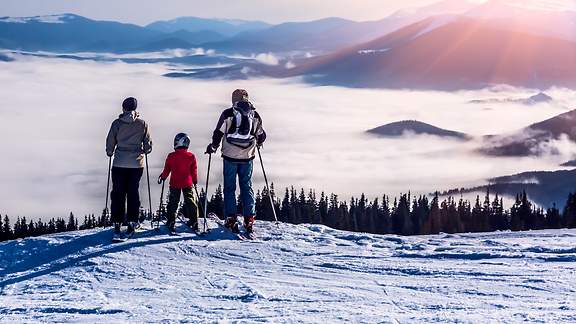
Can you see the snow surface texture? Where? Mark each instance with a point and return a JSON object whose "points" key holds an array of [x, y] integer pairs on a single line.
{"points": [[306, 273]]}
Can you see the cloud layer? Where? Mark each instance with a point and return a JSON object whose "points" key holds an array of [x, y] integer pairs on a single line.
{"points": [[56, 114]]}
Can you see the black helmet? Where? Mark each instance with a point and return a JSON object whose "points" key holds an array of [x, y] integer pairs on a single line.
{"points": [[130, 104], [181, 141]]}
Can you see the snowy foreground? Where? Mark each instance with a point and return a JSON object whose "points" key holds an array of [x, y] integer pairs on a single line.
{"points": [[299, 274]]}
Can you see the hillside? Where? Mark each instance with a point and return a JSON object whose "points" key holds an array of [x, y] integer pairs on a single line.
{"points": [[545, 188], [536, 139], [406, 127], [301, 274], [448, 53]]}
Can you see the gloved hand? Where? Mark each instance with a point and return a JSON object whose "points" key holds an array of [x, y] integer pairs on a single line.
{"points": [[160, 180], [210, 149], [260, 139]]}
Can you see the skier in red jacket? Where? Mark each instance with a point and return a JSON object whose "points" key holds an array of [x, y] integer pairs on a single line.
{"points": [[182, 166]]}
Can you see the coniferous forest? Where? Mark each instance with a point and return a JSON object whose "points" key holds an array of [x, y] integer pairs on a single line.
{"points": [[403, 215]]}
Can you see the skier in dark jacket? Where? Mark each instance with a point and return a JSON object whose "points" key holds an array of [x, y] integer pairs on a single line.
{"points": [[128, 140], [183, 170], [239, 129]]}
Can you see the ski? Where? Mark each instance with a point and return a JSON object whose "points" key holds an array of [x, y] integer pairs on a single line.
{"points": [[118, 238], [124, 236], [241, 236], [198, 232]]}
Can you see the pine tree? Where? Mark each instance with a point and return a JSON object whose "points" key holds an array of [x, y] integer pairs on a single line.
{"points": [[285, 208], [465, 215], [498, 220], [383, 221], [41, 227], [569, 215], [312, 208], [216, 203], [52, 226], [60, 225], [7, 229], [71, 226], [525, 212], [323, 209], [32, 229], [553, 218]]}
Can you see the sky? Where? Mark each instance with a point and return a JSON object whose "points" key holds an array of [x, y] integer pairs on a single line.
{"points": [[145, 11]]}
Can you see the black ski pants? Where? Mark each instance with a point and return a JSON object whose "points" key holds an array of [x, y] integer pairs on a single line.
{"points": [[189, 210], [125, 196]]}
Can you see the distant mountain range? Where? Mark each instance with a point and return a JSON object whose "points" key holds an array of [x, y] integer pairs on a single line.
{"points": [[408, 127], [449, 45], [532, 100], [222, 27]]}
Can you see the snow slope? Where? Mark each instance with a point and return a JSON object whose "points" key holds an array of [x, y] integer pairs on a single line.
{"points": [[300, 274]]}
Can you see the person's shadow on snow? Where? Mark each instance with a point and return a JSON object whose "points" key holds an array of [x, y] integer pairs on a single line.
{"points": [[37, 257]]}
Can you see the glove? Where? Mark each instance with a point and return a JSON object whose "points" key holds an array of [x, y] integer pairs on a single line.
{"points": [[160, 180], [260, 139], [210, 149]]}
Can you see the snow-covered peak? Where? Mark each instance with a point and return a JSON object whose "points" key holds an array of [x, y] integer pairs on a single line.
{"points": [[50, 19]]}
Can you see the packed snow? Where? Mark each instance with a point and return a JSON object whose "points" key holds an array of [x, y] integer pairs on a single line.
{"points": [[292, 273]]}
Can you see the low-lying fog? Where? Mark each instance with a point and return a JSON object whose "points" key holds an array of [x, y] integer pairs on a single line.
{"points": [[56, 113]]}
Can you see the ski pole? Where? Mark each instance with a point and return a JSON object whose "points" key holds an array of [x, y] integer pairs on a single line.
{"points": [[206, 197], [160, 208], [267, 187], [108, 184], [197, 195], [148, 178]]}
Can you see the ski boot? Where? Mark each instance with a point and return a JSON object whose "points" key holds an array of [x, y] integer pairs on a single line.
{"points": [[132, 227], [232, 224], [249, 224], [193, 225], [171, 227], [117, 232]]}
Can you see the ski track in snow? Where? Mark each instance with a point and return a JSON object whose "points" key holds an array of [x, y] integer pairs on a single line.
{"points": [[306, 273]]}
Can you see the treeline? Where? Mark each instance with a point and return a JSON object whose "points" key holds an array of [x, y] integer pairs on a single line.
{"points": [[407, 215], [23, 228], [404, 215]]}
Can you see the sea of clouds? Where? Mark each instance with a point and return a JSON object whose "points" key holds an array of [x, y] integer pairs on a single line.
{"points": [[56, 113]]}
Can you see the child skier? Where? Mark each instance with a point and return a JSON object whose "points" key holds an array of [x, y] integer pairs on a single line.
{"points": [[181, 164]]}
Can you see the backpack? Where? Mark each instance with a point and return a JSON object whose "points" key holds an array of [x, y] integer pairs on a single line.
{"points": [[241, 132]]}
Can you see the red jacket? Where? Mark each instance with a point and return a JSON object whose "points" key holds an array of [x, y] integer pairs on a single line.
{"points": [[182, 165]]}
